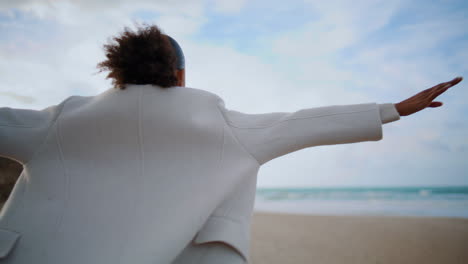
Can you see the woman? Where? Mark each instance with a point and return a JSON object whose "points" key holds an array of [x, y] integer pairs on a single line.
{"points": [[151, 171]]}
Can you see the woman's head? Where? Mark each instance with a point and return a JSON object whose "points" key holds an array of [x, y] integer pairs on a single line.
{"points": [[144, 56]]}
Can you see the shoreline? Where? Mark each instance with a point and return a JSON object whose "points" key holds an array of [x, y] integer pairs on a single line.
{"points": [[345, 214]]}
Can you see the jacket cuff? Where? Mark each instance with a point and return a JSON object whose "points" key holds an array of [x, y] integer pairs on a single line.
{"points": [[388, 113]]}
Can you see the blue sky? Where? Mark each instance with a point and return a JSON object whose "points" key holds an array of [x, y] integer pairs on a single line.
{"points": [[273, 56]]}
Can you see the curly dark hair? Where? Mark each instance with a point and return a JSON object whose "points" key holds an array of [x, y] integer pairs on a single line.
{"points": [[144, 56]]}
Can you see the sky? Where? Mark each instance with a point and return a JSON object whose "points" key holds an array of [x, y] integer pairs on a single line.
{"points": [[273, 56]]}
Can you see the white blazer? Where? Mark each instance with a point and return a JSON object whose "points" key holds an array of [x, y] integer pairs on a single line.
{"points": [[132, 176]]}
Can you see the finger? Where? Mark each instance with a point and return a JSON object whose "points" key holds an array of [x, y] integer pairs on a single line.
{"points": [[452, 82], [441, 88], [457, 80], [448, 84], [435, 104], [431, 93]]}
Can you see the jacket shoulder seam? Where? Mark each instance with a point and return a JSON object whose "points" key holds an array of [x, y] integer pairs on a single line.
{"points": [[235, 136], [61, 106]]}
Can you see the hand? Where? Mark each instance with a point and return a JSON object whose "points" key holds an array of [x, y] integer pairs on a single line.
{"points": [[424, 99]]}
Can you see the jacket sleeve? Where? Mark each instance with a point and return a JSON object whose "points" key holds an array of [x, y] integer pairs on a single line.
{"points": [[23, 130], [270, 135]]}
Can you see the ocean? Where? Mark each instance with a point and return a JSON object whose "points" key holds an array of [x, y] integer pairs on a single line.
{"points": [[384, 201]]}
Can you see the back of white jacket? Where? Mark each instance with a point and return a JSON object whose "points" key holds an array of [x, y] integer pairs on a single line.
{"points": [[131, 176]]}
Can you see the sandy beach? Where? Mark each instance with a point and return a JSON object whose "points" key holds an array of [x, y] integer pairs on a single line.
{"points": [[288, 238]]}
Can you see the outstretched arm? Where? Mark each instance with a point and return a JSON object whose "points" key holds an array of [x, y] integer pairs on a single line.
{"points": [[271, 135]]}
